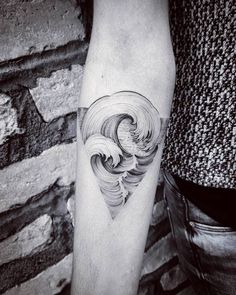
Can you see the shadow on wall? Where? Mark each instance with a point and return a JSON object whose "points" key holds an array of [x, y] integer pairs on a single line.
{"points": [[87, 15]]}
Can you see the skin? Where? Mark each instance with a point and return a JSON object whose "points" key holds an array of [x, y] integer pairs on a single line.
{"points": [[130, 49], [121, 133]]}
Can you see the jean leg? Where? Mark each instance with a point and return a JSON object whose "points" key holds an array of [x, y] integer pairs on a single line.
{"points": [[207, 249], [215, 246], [177, 212]]}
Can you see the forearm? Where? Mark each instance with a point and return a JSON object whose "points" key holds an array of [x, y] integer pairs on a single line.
{"points": [[130, 49], [135, 61]]}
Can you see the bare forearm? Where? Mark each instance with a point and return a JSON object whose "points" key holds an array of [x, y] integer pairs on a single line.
{"points": [[115, 191], [130, 49]]}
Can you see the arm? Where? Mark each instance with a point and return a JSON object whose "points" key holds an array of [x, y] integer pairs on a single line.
{"points": [[124, 106]]}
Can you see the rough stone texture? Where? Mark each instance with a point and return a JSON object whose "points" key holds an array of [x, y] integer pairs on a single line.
{"points": [[28, 241], [25, 70], [29, 177], [8, 118], [53, 203], [58, 95], [31, 26], [161, 273], [40, 42], [157, 232], [38, 135], [150, 283], [158, 254], [71, 208], [49, 282], [171, 279]]}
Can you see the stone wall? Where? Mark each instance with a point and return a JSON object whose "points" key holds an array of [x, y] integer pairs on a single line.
{"points": [[43, 46]]}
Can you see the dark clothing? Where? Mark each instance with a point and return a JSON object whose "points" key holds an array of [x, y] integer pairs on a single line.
{"points": [[200, 148], [201, 140], [219, 203], [206, 247]]}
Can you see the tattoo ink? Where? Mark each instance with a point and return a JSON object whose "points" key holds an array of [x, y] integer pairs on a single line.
{"points": [[121, 133]]}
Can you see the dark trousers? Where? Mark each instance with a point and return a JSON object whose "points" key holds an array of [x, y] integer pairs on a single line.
{"points": [[206, 245]]}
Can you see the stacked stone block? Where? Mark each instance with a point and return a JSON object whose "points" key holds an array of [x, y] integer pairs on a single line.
{"points": [[42, 53]]}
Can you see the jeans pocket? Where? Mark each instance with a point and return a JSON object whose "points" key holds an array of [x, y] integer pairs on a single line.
{"points": [[211, 228], [215, 247]]}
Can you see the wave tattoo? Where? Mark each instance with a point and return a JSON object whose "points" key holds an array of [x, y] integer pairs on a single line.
{"points": [[121, 133]]}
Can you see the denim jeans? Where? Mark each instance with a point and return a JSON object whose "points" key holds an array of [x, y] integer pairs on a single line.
{"points": [[206, 248]]}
